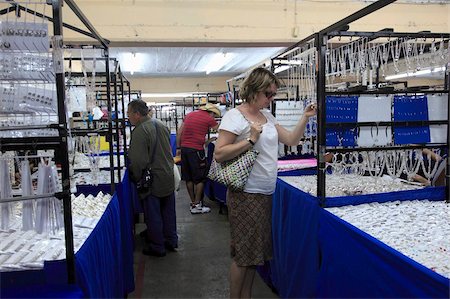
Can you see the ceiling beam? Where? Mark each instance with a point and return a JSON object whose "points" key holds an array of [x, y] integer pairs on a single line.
{"points": [[130, 44]]}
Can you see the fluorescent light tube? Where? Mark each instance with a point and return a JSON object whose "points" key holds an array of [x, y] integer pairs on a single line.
{"points": [[414, 74], [281, 68], [169, 95]]}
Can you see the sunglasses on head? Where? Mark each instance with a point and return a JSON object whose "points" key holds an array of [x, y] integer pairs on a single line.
{"points": [[270, 94]]}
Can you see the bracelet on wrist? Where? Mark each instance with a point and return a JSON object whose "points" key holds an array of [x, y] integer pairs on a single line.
{"points": [[252, 143]]}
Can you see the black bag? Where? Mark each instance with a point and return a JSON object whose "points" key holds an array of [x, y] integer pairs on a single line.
{"points": [[145, 183]]}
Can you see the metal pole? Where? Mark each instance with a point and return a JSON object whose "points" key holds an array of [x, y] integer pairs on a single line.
{"points": [[357, 15], [447, 171], [122, 121], [29, 197], [116, 121], [16, 6], [320, 41], [86, 22], [129, 124], [110, 129], [60, 91]]}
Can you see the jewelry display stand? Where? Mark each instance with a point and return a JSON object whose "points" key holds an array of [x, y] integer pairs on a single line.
{"points": [[369, 125], [104, 86], [33, 114]]}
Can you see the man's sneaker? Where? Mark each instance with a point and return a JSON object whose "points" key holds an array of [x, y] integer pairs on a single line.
{"points": [[199, 209]]}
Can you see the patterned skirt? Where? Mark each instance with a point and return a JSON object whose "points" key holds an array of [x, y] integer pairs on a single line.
{"points": [[250, 218]]}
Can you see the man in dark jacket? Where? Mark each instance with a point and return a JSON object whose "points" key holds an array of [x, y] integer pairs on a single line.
{"points": [[150, 148]]}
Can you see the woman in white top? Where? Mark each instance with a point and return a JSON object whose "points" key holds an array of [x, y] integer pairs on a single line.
{"points": [[250, 211]]}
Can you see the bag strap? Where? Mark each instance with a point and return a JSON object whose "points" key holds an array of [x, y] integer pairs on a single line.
{"points": [[249, 122], [243, 115]]}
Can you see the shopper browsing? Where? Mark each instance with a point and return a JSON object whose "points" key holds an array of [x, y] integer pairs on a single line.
{"points": [[250, 210], [150, 148], [191, 142]]}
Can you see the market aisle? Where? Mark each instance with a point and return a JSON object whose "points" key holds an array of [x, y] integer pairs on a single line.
{"points": [[199, 268]]}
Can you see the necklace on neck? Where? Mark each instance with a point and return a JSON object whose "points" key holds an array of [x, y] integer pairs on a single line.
{"points": [[256, 117]]}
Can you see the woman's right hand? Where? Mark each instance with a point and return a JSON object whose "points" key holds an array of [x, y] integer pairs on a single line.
{"points": [[255, 131]]}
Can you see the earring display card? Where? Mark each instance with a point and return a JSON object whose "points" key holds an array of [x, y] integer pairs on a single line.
{"points": [[438, 134], [341, 109], [372, 136], [37, 100], [24, 37], [372, 108], [26, 99], [408, 135], [437, 110], [8, 94], [411, 108], [26, 66], [341, 137], [288, 112], [437, 106]]}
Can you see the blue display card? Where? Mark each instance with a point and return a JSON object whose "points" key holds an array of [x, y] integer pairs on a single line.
{"points": [[411, 108]]}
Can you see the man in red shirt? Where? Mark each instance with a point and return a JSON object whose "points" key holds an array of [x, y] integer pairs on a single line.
{"points": [[191, 140]]}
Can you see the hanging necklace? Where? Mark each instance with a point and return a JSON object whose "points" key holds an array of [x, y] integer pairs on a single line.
{"points": [[431, 169]]}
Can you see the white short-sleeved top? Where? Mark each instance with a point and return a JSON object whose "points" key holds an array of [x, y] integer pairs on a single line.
{"points": [[263, 176]]}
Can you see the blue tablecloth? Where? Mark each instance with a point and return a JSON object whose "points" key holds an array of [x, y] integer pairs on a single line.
{"points": [[318, 255], [104, 263], [173, 144], [94, 190], [356, 265], [42, 291]]}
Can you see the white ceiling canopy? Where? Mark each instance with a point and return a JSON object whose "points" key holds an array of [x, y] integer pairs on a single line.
{"points": [[190, 61]]}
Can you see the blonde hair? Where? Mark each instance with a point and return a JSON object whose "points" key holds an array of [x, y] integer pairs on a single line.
{"points": [[258, 80]]}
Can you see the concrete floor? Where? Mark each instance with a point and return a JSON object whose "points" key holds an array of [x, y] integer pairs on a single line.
{"points": [[199, 268]]}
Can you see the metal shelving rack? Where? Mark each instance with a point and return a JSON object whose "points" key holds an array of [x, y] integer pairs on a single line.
{"points": [[112, 88], [59, 142], [318, 42]]}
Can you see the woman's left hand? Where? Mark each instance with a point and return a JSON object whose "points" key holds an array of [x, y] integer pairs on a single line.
{"points": [[310, 110]]}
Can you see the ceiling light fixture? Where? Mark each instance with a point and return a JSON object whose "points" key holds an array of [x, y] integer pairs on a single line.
{"points": [[281, 68], [286, 64], [415, 74], [132, 62], [217, 61], [169, 95]]}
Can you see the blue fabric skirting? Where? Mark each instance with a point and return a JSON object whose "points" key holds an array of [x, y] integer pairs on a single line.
{"points": [[104, 263], [317, 255], [356, 265]]}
